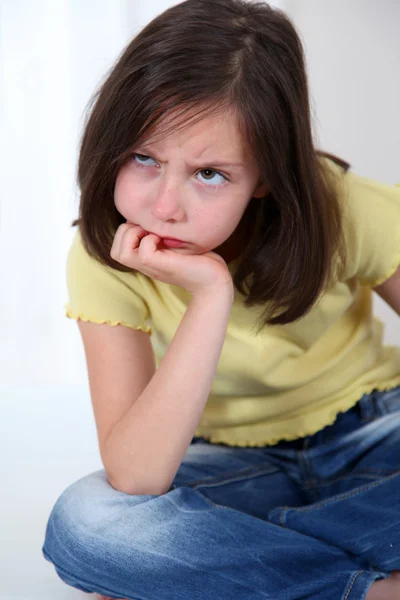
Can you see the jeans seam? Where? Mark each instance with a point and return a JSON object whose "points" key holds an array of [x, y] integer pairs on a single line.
{"points": [[367, 409], [352, 583], [231, 477], [305, 467], [344, 495], [214, 504], [312, 484], [303, 463]]}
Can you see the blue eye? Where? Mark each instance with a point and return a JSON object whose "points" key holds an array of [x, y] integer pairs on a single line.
{"points": [[144, 161], [141, 157]]}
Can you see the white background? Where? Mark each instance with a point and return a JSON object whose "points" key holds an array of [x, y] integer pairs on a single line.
{"points": [[53, 55]]}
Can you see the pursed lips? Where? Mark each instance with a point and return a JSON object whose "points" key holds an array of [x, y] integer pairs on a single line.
{"points": [[165, 237]]}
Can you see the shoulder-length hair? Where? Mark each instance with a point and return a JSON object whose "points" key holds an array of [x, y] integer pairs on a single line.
{"points": [[221, 54]]}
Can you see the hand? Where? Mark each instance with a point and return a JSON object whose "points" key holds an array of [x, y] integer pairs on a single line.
{"points": [[198, 273]]}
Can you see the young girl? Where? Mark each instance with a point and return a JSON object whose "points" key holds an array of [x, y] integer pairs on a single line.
{"points": [[248, 415]]}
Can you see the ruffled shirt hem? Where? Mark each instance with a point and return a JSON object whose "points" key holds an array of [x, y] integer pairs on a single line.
{"points": [[71, 315], [235, 438]]}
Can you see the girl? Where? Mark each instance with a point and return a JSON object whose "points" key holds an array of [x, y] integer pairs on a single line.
{"points": [[248, 415]]}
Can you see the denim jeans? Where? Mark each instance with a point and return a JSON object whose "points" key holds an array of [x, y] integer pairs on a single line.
{"points": [[315, 518]]}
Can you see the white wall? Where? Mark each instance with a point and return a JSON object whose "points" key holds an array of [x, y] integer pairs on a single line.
{"points": [[353, 55], [53, 55]]}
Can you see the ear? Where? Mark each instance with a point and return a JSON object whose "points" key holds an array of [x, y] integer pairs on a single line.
{"points": [[260, 191]]}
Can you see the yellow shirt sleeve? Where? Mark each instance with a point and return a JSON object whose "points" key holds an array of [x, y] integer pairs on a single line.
{"points": [[100, 294], [371, 221]]}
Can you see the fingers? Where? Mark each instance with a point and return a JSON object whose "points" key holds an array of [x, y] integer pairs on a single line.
{"points": [[148, 259], [127, 236], [134, 247], [148, 246], [116, 245]]}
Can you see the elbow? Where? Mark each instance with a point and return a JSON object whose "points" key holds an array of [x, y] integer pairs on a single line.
{"points": [[136, 488], [119, 487]]}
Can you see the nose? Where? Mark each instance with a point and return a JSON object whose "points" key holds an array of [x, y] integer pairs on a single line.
{"points": [[167, 204]]}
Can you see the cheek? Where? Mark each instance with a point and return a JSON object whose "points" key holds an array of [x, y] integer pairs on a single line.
{"points": [[126, 196], [119, 189], [214, 225], [206, 221]]}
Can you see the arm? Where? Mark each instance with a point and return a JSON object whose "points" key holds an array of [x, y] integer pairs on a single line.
{"points": [[146, 447], [159, 410], [390, 291]]}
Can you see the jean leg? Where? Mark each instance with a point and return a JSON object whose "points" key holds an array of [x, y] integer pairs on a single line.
{"points": [[182, 544], [360, 507], [246, 479]]}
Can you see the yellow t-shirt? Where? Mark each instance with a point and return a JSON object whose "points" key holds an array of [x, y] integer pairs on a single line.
{"points": [[290, 380]]}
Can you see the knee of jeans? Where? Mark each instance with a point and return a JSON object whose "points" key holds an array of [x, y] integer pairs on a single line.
{"points": [[79, 508], [84, 518]]}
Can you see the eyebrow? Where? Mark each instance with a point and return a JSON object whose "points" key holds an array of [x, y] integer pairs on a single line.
{"points": [[214, 163]]}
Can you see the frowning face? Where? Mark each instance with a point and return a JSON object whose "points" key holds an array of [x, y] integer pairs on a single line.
{"points": [[193, 185]]}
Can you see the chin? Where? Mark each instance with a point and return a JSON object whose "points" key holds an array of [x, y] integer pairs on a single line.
{"points": [[182, 250]]}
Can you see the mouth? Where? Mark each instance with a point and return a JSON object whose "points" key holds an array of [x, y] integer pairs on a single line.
{"points": [[172, 242], [168, 240]]}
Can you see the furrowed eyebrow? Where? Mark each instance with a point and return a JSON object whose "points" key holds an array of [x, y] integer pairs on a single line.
{"points": [[216, 163], [202, 163]]}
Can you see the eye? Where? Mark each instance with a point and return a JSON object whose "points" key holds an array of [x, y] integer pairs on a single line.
{"points": [[142, 160], [211, 171], [141, 157]]}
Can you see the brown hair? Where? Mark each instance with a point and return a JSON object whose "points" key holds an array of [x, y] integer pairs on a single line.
{"points": [[218, 54]]}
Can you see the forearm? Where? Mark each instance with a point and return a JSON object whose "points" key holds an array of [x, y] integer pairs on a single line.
{"points": [[146, 447]]}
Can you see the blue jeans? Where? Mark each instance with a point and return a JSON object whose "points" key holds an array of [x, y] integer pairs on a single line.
{"points": [[315, 518]]}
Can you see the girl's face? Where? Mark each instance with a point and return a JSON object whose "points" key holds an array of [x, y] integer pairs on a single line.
{"points": [[194, 185]]}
